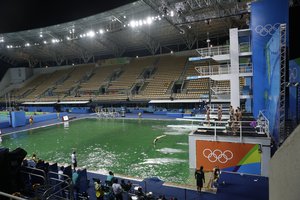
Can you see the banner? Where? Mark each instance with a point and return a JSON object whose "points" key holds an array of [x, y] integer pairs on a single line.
{"points": [[294, 77], [228, 156], [272, 52], [266, 17]]}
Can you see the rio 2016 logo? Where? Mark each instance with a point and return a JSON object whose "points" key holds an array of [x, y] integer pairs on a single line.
{"points": [[218, 155]]}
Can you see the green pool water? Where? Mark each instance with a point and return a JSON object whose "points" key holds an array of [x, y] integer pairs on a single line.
{"points": [[122, 146]]}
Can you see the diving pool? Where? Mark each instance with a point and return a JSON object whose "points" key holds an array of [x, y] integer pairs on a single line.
{"points": [[123, 146]]}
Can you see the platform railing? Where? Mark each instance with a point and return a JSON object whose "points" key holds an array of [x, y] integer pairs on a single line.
{"points": [[263, 123], [223, 69], [236, 129], [213, 51]]}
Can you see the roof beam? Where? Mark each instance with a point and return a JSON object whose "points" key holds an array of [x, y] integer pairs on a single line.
{"points": [[188, 37], [8, 60]]}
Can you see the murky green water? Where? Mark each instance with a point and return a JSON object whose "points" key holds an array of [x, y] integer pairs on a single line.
{"points": [[122, 146]]}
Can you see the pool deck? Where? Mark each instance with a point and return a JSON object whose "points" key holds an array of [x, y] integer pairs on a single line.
{"points": [[234, 186]]}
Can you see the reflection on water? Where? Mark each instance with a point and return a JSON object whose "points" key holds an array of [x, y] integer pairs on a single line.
{"points": [[122, 146], [158, 161], [170, 150]]}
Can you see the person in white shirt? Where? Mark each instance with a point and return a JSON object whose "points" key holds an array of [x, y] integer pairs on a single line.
{"points": [[117, 189], [74, 160]]}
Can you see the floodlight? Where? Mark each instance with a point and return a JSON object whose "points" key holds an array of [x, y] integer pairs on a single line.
{"points": [[172, 13], [90, 34], [101, 31]]}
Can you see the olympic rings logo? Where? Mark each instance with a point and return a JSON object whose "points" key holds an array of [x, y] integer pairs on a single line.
{"points": [[267, 29], [218, 155]]}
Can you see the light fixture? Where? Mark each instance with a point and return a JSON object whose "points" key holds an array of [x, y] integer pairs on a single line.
{"points": [[287, 84], [296, 84], [90, 33]]}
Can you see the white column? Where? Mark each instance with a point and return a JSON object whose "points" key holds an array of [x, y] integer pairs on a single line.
{"points": [[234, 60]]}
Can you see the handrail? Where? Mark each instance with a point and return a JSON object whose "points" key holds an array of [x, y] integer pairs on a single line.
{"points": [[213, 126], [213, 51], [11, 196], [36, 169], [32, 174], [66, 180], [223, 69], [264, 123]]}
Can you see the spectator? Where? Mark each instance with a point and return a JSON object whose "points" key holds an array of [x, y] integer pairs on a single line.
{"points": [[200, 179], [117, 189], [109, 178], [74, 160], [219, 113], [30, 120], [216, 174], [75, 178], [208, 115], [126, 186], [99, 190]]}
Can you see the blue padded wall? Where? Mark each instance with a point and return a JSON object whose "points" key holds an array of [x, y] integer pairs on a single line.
{"points": [[18, 118]]}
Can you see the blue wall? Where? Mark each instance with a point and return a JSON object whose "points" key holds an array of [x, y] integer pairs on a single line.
{"points": [[18, 118], [43, 109], [266, 16]]}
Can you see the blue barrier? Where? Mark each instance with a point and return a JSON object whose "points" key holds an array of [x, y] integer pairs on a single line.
{"points": [[160, 113], [76, 109], [18, 118], [4, 124], [40, 109], [45, 117], [137, 111], [176, 115], [187, 114]]}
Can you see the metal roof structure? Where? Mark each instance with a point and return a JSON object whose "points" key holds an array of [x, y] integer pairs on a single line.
{"points": [[144, 27]]}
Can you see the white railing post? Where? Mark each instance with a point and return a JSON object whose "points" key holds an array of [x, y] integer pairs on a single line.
{"points": [[215, 138], [241, 139]]}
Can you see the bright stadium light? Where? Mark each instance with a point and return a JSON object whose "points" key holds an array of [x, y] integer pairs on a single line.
{"points": [[45, 42], [27, 45], [172, 13], [90, 34], [1, 39], [149, 20], [101, 31]]}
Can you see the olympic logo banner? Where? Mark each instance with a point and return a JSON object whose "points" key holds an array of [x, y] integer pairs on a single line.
{"points": [[228, 156]]}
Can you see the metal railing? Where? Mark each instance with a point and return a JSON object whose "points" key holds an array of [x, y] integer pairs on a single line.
{"points": [[202, 126], [213, 51], [263, 123], [223, 69], [10, 197]]}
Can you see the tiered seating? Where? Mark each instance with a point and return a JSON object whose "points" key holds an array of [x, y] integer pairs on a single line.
{"points": [[19, 93], [74, 77], [193, 88], [130, 74], [98, 78], [47, 84], [169, 69]]}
